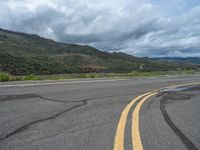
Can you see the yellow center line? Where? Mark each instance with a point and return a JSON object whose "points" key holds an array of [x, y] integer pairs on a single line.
{"points": [[136, 139], [119, 138], [179, 85]]}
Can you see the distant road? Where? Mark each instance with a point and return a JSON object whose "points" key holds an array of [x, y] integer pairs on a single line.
{"points": [[101, 114]]}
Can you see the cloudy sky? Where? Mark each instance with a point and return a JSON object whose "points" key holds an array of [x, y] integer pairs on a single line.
{"points": [[138, 27]]}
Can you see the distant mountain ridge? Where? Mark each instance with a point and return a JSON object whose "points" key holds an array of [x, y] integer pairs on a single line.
{"points": [[193, 60], [22, 54]]}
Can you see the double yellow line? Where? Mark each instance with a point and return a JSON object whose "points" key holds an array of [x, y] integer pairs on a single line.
{"points": [[136, 139]]}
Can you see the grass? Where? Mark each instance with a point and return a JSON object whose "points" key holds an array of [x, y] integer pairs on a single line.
{"points": [[31, 77], [6, 77], [152, 73]]}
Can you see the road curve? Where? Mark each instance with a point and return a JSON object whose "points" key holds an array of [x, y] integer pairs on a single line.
{"points": [[101, 114], [138, 102]]}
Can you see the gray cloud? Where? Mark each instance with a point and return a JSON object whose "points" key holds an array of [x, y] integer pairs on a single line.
{"points": [[139, 27]]}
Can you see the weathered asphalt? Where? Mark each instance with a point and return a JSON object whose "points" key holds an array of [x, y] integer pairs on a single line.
{"points": [[84, 114]]}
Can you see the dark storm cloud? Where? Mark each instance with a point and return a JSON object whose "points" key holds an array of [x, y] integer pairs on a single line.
{"points": [[139, 27]]}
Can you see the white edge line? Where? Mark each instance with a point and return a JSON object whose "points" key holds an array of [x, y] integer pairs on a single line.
{"points": [[59, 83]]}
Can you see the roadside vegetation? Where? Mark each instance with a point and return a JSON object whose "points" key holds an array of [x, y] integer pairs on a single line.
{"points": [[6, 77]]}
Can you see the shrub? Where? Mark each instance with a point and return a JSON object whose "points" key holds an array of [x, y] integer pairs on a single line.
{"points": [[31, 77], [4, 77]]}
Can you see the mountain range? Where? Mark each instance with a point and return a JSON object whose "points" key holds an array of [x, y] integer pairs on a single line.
{"points": [[191, 60], [23, 54]]}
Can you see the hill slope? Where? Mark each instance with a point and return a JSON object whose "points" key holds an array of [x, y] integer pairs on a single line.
{"points": [[22, 54]]}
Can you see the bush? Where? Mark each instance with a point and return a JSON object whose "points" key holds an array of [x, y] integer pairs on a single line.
{"points": [[4, 77], [31, 77], [148, 73]]}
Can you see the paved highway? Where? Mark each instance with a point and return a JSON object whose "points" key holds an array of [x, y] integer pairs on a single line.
{"points": [[159, 113]]}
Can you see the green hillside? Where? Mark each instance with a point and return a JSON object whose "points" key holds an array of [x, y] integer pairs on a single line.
{"points": [[22, 54]]}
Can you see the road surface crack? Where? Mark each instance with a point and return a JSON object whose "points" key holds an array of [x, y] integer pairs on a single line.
{"points": [[26, 126], [188, 143], [27, 96]]}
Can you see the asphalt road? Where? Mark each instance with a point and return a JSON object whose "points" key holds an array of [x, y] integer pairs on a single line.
{"points": [[90, 114]]}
